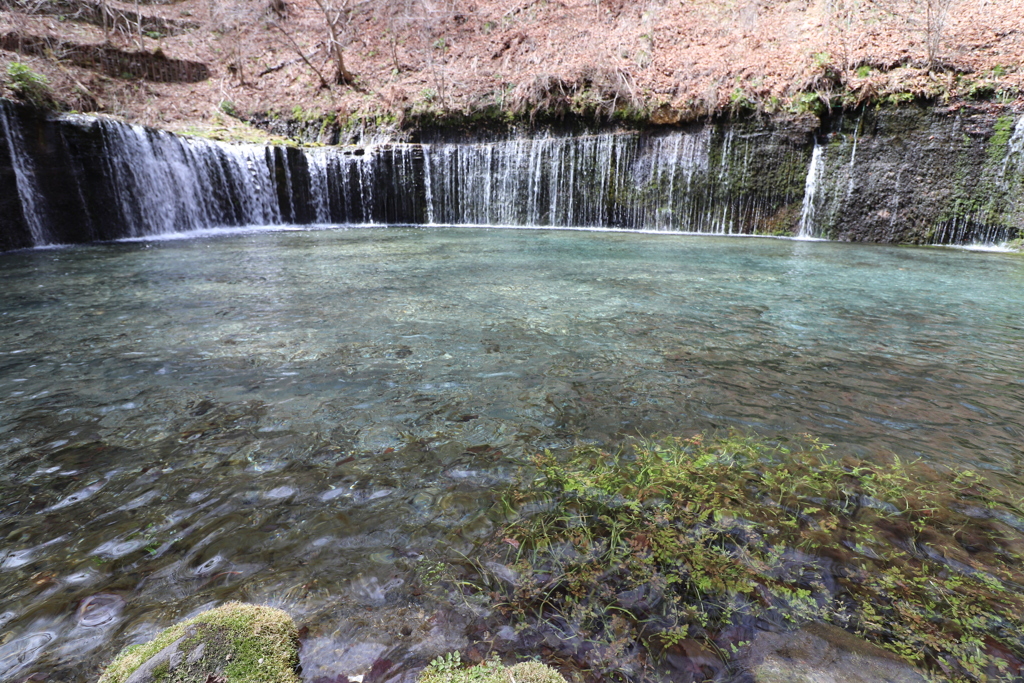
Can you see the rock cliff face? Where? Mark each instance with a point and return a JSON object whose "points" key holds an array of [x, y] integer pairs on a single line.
{"points": [[920, 175], [910, 175]]}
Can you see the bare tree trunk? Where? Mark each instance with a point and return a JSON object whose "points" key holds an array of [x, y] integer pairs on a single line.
{"points": [[344, 76], [237, 58], [841, 15], [937, 11], [394, 53], [927, 16], [106, 21], [929, 23], [138, 20], [336, 19]]}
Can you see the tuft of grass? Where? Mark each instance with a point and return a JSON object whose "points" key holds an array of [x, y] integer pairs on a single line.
{"points": [[690, 538], [257, 643], [808, 103], [29, 85]]}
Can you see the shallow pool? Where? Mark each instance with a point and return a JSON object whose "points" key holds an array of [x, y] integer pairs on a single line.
{"points": [[293, 417]]}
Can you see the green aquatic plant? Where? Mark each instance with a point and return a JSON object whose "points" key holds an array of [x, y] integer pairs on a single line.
{"points": [[686, 538]]}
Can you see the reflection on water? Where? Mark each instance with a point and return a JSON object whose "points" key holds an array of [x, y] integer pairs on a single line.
{"points": [[294, 418]]}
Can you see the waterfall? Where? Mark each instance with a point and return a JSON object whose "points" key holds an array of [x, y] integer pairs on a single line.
{"points": [[320, 195], [364, 168], [666, 181], [107, 179], [428, 179], [1002, 182], [168, 183], [133, 182], [24, 177], [1014, 158], [853, 156], [814, 172], [79, 178]]}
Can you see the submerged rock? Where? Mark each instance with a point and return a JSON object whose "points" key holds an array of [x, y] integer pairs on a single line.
{"points": [[821, 653], [233, 643]]}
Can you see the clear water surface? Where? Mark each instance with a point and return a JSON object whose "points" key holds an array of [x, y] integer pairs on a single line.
{"points": [[294, 417]]}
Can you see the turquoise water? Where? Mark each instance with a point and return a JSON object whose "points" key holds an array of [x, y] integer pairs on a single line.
{"points": [[295, 417]]}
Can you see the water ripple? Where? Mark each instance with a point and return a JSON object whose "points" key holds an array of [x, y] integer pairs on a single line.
{"points": [[296, 418]]}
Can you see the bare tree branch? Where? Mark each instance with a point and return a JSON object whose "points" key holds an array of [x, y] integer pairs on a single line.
{"points": [[289, 62], [298, 50]]}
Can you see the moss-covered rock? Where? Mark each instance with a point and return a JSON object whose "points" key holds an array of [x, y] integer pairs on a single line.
{"points": [[233, 643], [449, 669]]}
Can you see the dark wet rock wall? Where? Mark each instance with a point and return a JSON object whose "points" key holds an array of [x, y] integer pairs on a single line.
{"points": [[923, 175]]}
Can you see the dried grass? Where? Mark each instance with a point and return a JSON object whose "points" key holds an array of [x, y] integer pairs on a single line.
{"points": [[680, 58]]}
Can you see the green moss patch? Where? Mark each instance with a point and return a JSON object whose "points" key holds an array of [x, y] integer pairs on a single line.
{"points": [[449, 669], [1001, 134], [707, 540], [235, 643]]}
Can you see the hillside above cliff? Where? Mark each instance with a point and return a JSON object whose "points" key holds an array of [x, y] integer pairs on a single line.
{"points": [[204, 66]]}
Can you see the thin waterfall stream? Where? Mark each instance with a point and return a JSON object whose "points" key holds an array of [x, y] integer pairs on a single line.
{"points": [[806, 227], [24, 179]]}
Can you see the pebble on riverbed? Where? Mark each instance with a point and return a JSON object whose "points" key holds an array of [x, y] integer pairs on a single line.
{"points": [[233, 643], [820, 652]]}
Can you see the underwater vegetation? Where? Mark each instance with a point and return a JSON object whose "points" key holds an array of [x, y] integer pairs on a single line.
{"points": [[694, 545]]}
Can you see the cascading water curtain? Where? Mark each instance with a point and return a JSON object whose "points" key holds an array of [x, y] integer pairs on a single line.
{"points": [[78, 178], [24, 176]]}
